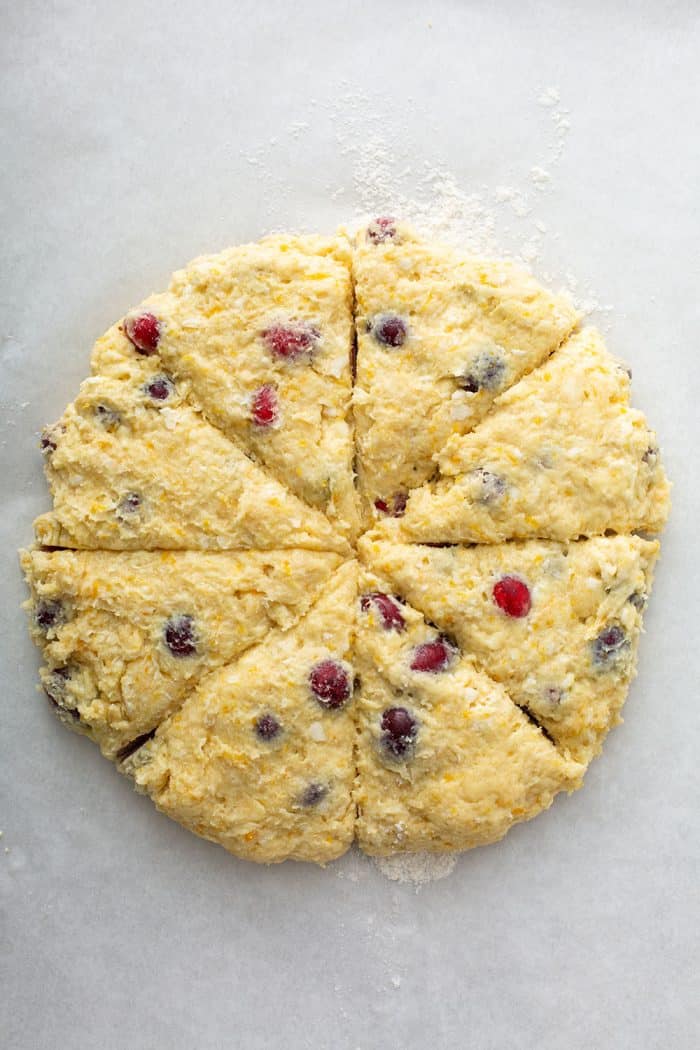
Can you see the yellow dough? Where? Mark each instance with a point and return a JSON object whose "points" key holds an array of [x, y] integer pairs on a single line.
{"points": [[293, 414], [216, 313], [103, 621], [553, 660], [287, 796], [157, 476], [561, 455], [473, 327], [476, 765]]}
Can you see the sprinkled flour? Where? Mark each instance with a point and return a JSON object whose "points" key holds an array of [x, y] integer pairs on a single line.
{"points": [[417, 868]]}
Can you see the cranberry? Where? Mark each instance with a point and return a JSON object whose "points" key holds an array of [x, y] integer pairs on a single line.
{"points": [[128, 505], [433, 657], [179, 636], [291, 340], [55, 689], [389, 330], [313, 794], [399, 731], [160, 388], [267, 727], [49, 439], [330, 684], [395, 505], [392, 618], [108, 417], [512, 596], [143, 330], [381, 229], [490, 486], [264, 406], [486, 372], [553, 694], [611, 641], [48, 615], [638, 600]]}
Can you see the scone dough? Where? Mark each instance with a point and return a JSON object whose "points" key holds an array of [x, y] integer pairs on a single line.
{"points": [[349, 538]]}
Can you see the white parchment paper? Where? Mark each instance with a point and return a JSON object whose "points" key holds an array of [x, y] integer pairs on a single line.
{"points": [[136, 136]]}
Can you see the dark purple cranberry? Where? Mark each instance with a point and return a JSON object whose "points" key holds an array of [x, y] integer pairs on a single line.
{"points": [[395, 505], [381, 229], [609, 644], [129, 505], [388, 608], [160, 388], [55, 689], [330, 684], [49, 614], [433, 657], [486, 372], [389, 330], [264, 406], [491, 487], [143, 331], [108, 417], [179, 636], [512, 596], [291, 340], [267, 727], [399, 731], [313, 794], [638, 600], [49, 440]]}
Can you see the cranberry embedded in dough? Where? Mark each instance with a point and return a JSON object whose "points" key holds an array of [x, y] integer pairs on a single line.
{"points": [[512, 596], [143, 330]]}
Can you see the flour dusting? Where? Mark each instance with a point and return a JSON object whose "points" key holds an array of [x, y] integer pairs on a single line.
{"points": [[417, 868]]}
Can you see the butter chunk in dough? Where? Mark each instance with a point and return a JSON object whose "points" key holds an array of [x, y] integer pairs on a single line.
{"points": [[127, 635], [561, 455], [253, 760], [130, 471], [440, 334], [471, 766], [269, 321], [568, 652]]}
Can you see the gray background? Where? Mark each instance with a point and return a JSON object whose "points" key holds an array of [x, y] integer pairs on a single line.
{"points": [[137, 135]]}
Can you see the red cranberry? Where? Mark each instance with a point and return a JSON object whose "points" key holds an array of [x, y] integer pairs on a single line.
{"points": [[395, 505], [330, 684], [512, 596], [179, 636], [160, 388], [389, 330], [267, 727], [433, 657], [143, 330], [399, 731], [264, 406], [381, 229], [487, 372], [291, 340], [392, 618]]}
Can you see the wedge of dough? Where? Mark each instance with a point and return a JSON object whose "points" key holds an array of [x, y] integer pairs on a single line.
{"points": [[561, 455], [127, 635], [476, 764], [213, 324], [554, 659], [128, 471], [472, 328], [285, 794]]}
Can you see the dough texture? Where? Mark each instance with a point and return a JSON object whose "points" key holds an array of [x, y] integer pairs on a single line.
{"points": [[349, 539]]}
